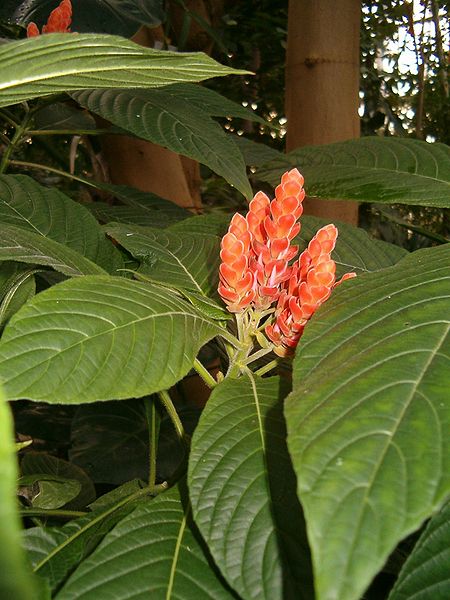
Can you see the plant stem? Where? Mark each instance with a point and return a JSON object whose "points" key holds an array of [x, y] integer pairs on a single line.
{"points": [[266, 368], [153, 433], [69, 132], [30, 165], [166, 401], [21, 129], [204, 374], [257, 354], [42, 512]]}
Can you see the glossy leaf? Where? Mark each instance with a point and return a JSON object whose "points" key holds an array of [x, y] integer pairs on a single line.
{"points": [[54, 552], [425, 575], [242, 491], [153, 552], [15, 577], [58, 62], [100, 338], [164, 117], [47, 211], [371, 169], [44, 464], [141, 208], [368, 418], [21, 245], [17, 286], [49, 491], [179, 260]]}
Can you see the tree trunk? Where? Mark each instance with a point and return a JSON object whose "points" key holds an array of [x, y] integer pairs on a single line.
{"points": [[322, 83]]}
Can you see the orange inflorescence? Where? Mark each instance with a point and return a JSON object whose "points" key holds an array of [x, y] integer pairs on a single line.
{"points": [[256, 271], [58, 22]]}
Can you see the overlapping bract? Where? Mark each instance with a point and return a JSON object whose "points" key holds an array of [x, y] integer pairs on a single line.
{"points": [[58, 22], [256, 273]]}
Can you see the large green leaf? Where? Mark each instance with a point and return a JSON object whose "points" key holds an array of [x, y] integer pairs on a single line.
{"points": [[21, 245], [154, 552], [371, 169], [17, 286], [242, 490], [59, 62], [121, 17], [164, 117], [15, 580], [426, 574], [368, 418], [100, 338], [47, 211], [180, 260], [45, 464], [54, 552]]}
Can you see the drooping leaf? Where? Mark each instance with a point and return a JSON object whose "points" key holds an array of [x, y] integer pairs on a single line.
{"points": [[141, 208], [242, 491], [15, 577], [49, 491], [256, 154], [179, 260], [371, 169], [17, 286], [121, 17], [58, 62], [153, 552], [54, 552], [63, 116], [368, 418], [164, 117], [48, 212], [425, 575], [41, 463], [20, 245], [100, 338]]}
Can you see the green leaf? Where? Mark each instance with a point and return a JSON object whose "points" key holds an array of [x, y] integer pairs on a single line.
{"points": [[242, 491], [21, 245], [154, 552], [48, 212], [368, 418], [371, 169], [355, 249], [142, 208], [164, 117], [109, 440], [425, 575], [214, 104], [49, 491], [45, 464], [100, 338], [59, 62], [17, 286], [54, 552], [256, 154], [15, 578], [178, 260]]}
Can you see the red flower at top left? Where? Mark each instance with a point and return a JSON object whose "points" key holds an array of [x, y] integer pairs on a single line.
{"points": [[58, 22]]}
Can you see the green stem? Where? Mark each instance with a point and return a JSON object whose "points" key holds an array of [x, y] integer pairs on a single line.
{"points": [[257, 355], [69, 132], [166, 401], [204, 374], [153, 432], [21, 128], [30, 165], [8, 118], [266, 368], [61, 514]]}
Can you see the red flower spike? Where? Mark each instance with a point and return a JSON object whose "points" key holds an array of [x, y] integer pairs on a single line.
{"points": [[58, 21], [310, 285], [236, 278]]}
